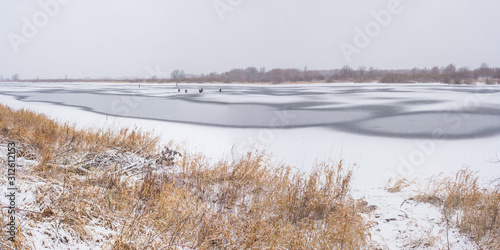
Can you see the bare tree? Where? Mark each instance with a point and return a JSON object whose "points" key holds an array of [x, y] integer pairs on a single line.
{"points": [[434, 74], [371, 71], [346, 73], [450, 70], [361, 71], [485, 70], [178, 74], [276, 75], [252, 74]]}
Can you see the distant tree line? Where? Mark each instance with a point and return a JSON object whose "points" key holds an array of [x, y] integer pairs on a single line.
{"points": [[449, 74]]}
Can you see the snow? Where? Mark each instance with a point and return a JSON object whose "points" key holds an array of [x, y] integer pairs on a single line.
{"points": [[402, 223]]}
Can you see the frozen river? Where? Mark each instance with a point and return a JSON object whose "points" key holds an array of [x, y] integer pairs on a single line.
{"points": [[403, 111], [395, 129]]}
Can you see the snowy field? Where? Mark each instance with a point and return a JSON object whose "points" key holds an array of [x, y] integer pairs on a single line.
{"points": [[387, 130], [411, 131]]}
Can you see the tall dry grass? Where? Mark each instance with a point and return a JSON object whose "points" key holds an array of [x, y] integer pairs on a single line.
{"points": [[125, 183], [475, 210], [52, 139]]}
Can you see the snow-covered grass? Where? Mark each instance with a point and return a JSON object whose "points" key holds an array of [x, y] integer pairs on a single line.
{"points": [[401, 222], [455, 212], [474, 209]]}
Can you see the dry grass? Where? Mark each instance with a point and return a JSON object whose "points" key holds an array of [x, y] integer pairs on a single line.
{"points": [[473, 209], [397, 184], [52, 139], [423, 240], [125, 183]]}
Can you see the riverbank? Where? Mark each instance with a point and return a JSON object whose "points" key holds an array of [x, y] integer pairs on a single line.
{"points": [[122, 189]]}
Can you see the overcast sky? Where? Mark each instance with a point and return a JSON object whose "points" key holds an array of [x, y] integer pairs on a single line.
{"points": [[116, 38]]}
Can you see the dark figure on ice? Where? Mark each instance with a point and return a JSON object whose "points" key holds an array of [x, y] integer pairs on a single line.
{"points": [[185, 91], [201, 90], [179, 90], [220, 90]]}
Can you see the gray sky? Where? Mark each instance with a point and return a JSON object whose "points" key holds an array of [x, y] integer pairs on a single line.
{"points": [[118, 38]]}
